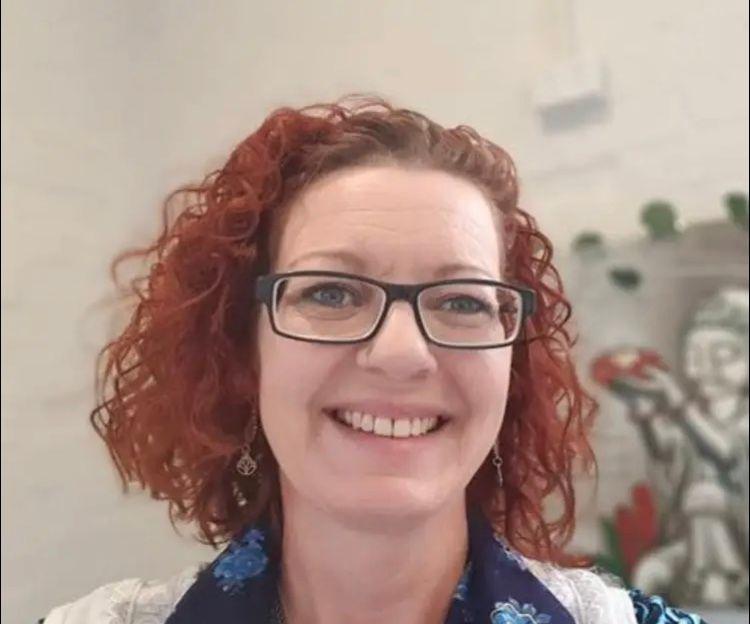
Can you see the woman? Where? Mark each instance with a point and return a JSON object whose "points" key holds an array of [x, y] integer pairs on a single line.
{"points": [[351, 359]]}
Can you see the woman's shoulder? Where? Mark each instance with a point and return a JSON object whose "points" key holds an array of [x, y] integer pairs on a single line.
{"points": [[589, 596], [596, 597], [131, 601]]}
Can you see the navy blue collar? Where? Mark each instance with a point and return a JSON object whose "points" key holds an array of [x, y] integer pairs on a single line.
{"points": [[240, 586]]}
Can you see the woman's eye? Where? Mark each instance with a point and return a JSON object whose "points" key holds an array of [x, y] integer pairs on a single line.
{"points": [[466, 305], [330, 294]]}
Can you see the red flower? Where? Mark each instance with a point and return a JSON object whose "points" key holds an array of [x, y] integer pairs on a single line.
{"points": [[637, 526], [625, 362]]}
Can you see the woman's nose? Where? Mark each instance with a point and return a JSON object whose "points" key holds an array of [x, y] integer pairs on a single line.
{"points": [[398, 349]]}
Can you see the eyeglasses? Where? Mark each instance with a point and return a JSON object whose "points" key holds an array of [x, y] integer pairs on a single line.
{"points": [[334, 307]]}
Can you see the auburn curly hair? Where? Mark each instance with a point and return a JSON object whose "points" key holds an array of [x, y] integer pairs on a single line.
{"points": [[169, 405]]}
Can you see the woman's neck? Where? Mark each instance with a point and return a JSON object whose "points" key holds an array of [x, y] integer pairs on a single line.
{"points": [[338, 571]]}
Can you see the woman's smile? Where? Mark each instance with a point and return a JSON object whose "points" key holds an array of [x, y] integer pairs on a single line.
{"points": [[390, 419], [373, 445], [383, 426]]}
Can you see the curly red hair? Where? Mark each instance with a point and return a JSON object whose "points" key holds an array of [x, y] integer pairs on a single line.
{"points": [[171, 407]]}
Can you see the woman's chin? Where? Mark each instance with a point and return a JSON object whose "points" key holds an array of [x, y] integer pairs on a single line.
{"points": [[387, 500]]}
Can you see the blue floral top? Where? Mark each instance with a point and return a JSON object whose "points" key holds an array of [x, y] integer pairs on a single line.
{"points": [[240, 587]]}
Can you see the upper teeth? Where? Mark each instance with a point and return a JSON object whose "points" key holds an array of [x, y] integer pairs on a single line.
{"points": [[388, 427]]}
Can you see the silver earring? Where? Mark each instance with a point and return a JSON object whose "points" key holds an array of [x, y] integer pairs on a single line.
{"points": [[246, 465], [497, 462]]}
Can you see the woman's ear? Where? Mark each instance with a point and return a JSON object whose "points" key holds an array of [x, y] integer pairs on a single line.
{"points": [[245, 376], [247, 373]]}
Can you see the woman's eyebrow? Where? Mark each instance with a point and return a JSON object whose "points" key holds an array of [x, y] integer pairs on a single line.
{"points": [[347, 257], [458, 267], [359, 265]]}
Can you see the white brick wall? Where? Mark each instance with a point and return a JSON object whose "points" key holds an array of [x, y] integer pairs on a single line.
{"points": [[107, 106]]}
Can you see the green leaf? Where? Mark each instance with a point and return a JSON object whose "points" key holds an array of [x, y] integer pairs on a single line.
{"points": [[660, 219], [587, 241], [625, 278], [610, 564], [736, 205], [611, 559]]}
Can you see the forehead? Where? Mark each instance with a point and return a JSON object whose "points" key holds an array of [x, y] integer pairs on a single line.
{"points": [[394, 219]]}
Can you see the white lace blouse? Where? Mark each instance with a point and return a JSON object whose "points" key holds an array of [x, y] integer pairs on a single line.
{"points": [[588, 597]]}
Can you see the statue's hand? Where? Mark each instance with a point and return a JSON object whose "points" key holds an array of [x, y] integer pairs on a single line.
{"points": [[643, 407], [652, 391], [664, 383]]}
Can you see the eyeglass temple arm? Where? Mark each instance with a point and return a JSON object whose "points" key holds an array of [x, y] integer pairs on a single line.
{"points": [[528, 302], [264, 288]]}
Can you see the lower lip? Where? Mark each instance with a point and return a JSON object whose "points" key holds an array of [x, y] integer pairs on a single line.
{"points": [[387, 445]]}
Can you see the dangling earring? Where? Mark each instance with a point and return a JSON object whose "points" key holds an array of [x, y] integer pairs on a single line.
{"points": [[497, 462], [246, 464]]}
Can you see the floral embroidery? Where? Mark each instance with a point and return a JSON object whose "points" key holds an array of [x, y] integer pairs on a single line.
{"points": [[244, 559], [512, 612], [244, 579], [653, 610], [510, 553]]}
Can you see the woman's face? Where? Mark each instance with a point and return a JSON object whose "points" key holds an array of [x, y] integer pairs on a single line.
{"points": [[397, 225]]}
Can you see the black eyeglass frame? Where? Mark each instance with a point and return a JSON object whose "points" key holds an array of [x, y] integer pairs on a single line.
{"points": [[265, 286]]}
